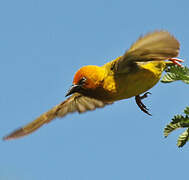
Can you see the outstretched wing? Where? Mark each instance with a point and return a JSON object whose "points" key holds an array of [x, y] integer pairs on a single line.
{"points": [[156, 46], [75, 103]]}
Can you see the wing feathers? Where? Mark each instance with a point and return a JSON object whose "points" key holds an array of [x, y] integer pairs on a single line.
{"points": [[75, 103], [156, 46], [156, 40]]}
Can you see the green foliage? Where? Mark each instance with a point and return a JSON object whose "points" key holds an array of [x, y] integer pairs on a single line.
{"points": [[183, 138], [186, 111], [179, 121], [175, 73]]}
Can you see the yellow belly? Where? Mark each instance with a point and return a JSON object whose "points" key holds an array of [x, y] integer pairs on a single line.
{"points": [[123, 86]]}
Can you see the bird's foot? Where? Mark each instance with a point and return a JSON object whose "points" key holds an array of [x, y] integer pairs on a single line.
{"points": [[176, 61], [140, 104]]}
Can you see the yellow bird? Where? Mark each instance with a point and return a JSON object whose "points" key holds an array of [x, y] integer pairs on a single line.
{"points": [[132, 74]]}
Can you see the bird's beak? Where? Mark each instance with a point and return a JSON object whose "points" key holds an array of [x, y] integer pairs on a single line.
{"points": [[74, 88]]}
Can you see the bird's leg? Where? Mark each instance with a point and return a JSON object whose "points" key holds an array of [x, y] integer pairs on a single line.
{"points": [[176, 61], [138, 99]]}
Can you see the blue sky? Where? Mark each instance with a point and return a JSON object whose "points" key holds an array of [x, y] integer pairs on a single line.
{"points": [[42, 44]]}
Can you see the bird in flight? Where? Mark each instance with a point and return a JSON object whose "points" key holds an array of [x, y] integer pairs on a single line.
{"points": [[130, 75]]}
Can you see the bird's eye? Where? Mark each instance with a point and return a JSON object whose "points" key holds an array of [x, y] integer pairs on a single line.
{"points": [[82, 80]]}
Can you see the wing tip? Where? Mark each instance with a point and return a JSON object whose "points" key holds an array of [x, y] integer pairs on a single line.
{"points": [[15, 134]]}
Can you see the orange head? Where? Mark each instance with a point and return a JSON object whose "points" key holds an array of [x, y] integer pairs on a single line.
{"points": [[87, 78]]}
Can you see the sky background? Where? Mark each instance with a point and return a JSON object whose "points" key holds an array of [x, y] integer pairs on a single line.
{"points": [[42, 44]]}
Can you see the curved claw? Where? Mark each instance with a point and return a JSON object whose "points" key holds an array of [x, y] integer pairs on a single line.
{"points": [[176, 61], [138, 99], [145, 95]]}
